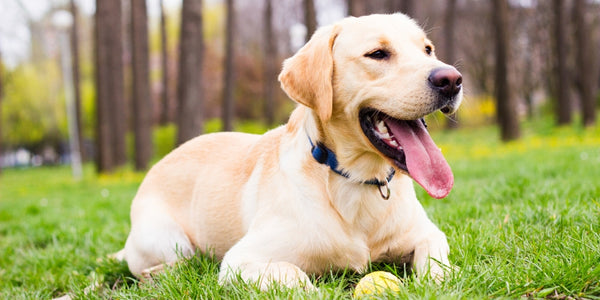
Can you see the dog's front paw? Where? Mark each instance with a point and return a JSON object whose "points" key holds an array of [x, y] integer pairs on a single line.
{"points": [[431, 257], [438, 271], [265, 275], [286, 274]]}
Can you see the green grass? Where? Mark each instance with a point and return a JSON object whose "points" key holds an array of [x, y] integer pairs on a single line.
{"points": [[522, 220]]}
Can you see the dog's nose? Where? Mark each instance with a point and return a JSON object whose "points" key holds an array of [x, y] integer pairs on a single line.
{"points": [[447, 81]]}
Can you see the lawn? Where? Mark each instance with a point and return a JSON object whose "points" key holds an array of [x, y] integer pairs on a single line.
{"points": [[523, 219]]}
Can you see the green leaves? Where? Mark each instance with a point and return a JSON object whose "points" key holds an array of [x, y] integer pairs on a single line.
{"points": [[33, 108]]}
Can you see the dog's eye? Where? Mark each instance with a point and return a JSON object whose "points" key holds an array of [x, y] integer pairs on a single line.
{"points": [[428, 50], [378, 54]]}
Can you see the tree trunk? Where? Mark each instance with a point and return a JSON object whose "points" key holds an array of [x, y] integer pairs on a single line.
{"points": [[189, 85], [393, 6], [142, 104], [310, 18], [122, 117], [119, 110], [110, 119], [586, 82], [104, 158], [356, 8], [165, 107], [449, 27], [563, 103], [408, 8], [228, 100], [269, 65], [228, 74], [76, 76], [505, 103]]}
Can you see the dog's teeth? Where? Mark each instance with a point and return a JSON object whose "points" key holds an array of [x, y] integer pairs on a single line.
{"points": [[394, 143], [381, 127]]}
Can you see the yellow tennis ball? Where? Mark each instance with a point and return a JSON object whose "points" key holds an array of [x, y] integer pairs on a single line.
{"points": [[377, 283]]}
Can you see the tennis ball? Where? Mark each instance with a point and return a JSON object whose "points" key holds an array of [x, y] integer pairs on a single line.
{"points": [[377, 283]]}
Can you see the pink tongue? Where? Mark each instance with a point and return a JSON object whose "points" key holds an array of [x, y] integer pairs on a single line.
{"points": [[424, 160]]}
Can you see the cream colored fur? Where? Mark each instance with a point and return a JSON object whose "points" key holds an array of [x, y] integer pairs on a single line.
{"points": [[265, 207]]}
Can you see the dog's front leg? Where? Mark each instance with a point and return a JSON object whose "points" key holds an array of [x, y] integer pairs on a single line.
{"points": [[431, 255], [265, 274], [252, 267]]}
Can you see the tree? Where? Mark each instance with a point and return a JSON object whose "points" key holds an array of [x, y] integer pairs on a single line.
{"points": [[449, 48], [505, 103], [228, 74], [76, 77], [31, 112], [585, 80], [404, 6], [408, 7], [532, 36], [356, 8], [189, 85], [110, 116], [393, 6], [164, 92], [310, 18], [142, 105], [561, 82], [269, 64]]}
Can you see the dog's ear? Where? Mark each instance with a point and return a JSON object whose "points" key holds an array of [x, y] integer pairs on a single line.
{"points": [[307, 76]]}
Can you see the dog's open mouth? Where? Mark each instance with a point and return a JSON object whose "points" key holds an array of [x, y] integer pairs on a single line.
{"points": [[408, 144]]}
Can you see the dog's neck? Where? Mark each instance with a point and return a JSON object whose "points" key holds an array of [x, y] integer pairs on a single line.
{"points": [[327, 157], [351, 199], [305, 121]]}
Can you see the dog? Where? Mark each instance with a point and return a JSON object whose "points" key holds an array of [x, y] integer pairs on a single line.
{"points": [[332, 188]]}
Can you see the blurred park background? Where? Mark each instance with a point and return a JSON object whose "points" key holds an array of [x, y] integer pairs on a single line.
{"points": [[123, 82], [132, 79]]}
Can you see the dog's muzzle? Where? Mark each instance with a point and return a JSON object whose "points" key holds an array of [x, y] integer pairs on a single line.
{"points": [[447, 83]]}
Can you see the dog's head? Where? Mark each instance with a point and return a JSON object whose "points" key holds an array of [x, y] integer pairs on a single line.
{"points": [[369, 82]]}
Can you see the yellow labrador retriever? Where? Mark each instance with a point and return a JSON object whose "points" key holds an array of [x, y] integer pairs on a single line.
{"points": [[330, 189]]}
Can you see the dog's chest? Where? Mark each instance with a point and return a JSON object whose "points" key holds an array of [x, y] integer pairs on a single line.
{"points": [[331, 246], [352, 234]]}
